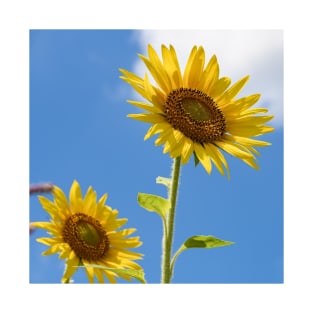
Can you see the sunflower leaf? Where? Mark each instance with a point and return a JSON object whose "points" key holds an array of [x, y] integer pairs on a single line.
{"points": [[199, 241], [154, 203], [139, 275], [205, 242], [164, 181]]}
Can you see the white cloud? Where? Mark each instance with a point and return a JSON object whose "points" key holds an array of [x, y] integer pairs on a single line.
{"points": [[258, 53]]}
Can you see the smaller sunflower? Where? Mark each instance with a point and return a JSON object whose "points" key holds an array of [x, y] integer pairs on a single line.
{"points": [[196, 111], [86, 232]]}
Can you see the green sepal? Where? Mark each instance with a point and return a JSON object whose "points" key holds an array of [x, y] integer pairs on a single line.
{"points": [[164, 181], [196, 160], [154, 203], [139, 275]]}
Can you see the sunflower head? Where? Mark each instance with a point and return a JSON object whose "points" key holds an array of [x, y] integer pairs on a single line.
{"points": [[196, 112], [84, 232]]}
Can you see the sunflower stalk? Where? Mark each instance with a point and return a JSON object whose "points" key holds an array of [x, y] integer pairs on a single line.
{"points": [[170, 222]]}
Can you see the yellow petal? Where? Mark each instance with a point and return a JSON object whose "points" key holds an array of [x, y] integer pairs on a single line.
{"points": [[213, 155], [251, 163], [52, 250], [246, 102], [102, 200], [89, 205], [52, 228], [60, 198], [75, 196], [145, 106], [233, 150], [195, 69], [99, 275], [139, 88], [131, 76], [157, 128], [187, 150], [219, 87], [156, 69], [111, 277], [209, 75], [90, 274], [71, 267], [48, 241], [203, 157], [248, 141], [188, 65], [171, 66], [232, 91], [148, 118]]}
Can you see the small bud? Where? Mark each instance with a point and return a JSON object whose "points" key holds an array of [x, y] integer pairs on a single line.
{"points": [[31, 229], [41, 188]]}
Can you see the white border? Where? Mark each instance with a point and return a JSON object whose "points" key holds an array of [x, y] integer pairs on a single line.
{"points": [[17, 17]]}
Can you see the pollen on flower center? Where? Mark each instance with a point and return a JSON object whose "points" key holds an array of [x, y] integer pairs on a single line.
{"points": [[86, 236], [195, 114]]}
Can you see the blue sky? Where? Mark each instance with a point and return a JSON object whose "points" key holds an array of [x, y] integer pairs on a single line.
{"points": [[79, 130]]}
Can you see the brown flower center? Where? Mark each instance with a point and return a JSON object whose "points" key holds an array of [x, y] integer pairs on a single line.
{"points": [[195, 114], [86, 237]]}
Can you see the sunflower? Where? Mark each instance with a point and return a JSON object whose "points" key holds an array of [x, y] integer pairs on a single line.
{"points": [[196, 113], [85, 232]]}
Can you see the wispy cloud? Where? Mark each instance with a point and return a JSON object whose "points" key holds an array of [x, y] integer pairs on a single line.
{"points": [[258, 53]]}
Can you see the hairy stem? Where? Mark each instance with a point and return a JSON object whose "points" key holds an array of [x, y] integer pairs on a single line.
{"points": [[169, 225]]}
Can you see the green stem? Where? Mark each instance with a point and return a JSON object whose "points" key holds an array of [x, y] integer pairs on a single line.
{"points": [[169, 225]]}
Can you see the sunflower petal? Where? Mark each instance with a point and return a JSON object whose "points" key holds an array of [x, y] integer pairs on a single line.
{"points": [[216, 159], [156, 69], [75, 196], [60, 198], [171, 66], [233, 150], [155, 129], [71, 267], [195, 69], [188, 67], [209, 75], [187, 150], [148, 118], [219, 87], [131, 77], [203, 157], [145, 106], [232, 91]]}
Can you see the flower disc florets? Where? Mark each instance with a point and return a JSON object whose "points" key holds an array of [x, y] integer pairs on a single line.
{"points": [[195, 114], [86, 237]]}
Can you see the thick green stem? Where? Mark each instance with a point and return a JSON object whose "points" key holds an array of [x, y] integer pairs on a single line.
{"points": [[169, 225]]}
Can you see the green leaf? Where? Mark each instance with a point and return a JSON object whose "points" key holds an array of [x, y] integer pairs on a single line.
{"points": [[164, 181], [154, 203], [205, 242], [199, 242], [139, 275]]}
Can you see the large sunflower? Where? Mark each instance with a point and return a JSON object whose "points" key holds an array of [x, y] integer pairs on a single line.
{"points": [[86, 232], [197, 113]]}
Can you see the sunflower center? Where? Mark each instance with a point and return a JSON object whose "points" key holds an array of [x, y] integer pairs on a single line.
{"points": [[86, 236], [195, 114], [88, 233]]}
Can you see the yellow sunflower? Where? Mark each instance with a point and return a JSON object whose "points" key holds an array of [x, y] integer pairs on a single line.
{"points": [[86, 232], [197, 113]]}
